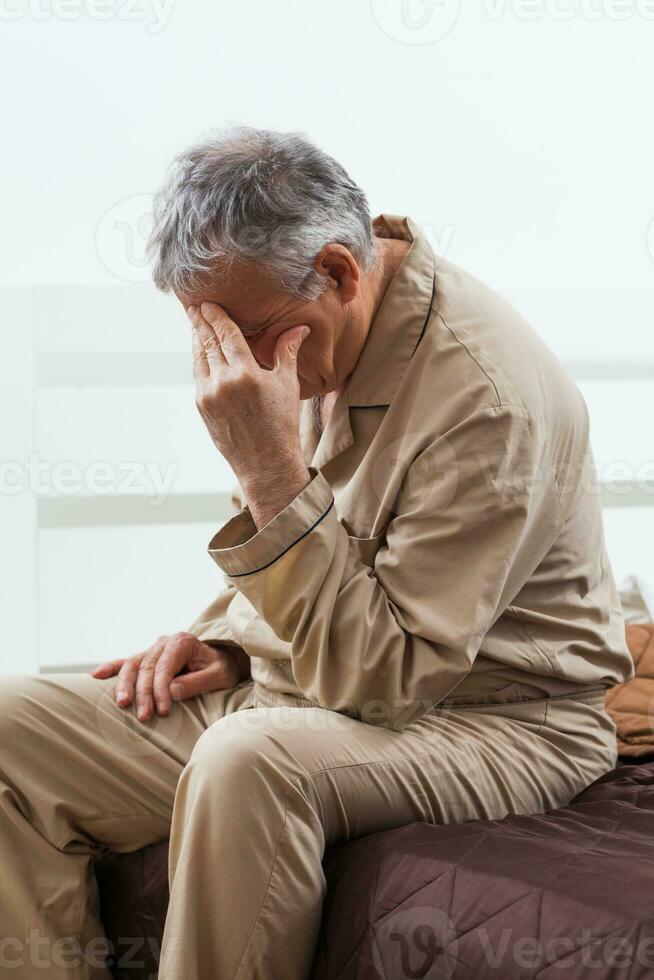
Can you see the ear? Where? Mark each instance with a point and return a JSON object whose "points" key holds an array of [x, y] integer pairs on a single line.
{"points": [[337, 265]]}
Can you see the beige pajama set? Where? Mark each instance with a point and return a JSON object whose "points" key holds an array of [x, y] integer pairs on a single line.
{"points": [[432, 624]]}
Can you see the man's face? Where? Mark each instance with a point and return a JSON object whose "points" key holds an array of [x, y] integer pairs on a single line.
{"points": [[263, 312]]}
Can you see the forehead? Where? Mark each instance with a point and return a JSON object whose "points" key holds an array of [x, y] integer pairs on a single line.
{"points": [[246, 293]]}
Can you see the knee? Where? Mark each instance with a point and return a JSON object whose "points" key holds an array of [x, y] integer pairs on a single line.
{"points": [[244, 751], [19, 697], [33, 707], [17, 694]]}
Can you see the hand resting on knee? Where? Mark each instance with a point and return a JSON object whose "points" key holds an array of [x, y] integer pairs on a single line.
{"points": [[174, 668]]}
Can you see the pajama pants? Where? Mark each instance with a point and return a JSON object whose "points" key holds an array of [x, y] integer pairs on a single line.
{"points": [[249, 797]]}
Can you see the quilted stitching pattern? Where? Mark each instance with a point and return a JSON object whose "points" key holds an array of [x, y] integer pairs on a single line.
{"points": [[568, 894]]}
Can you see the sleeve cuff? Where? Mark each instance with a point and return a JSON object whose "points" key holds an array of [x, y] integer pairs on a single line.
{"points": [[239, 549]]}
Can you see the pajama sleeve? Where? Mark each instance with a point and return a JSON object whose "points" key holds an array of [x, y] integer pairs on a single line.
{"points": [[384, 628]]}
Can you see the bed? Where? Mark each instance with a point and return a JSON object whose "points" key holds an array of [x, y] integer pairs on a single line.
{"points": [[569, 893]]}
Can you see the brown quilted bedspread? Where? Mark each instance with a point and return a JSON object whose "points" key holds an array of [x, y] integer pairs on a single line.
{"points": [[567, 894]]}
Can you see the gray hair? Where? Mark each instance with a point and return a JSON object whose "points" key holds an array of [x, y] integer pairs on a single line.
{"points": [[272, 198]]}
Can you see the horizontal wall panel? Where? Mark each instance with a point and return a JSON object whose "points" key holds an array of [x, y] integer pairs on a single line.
{"points": [[600, 324], [139, 369], [105, 319], [198, 508], [617, 495], [142, 368], [110, 592], [113, 440], [609, 369], [629, 533], [623, 443], [607, 325], [133, 509]]}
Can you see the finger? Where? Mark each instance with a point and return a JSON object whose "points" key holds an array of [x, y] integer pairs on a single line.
{"points": [[144, 684], [175, 656], [207, 352], [232, 342], [287, 348], [126, 679], [211, 678], [108, 669], [200, 363]]}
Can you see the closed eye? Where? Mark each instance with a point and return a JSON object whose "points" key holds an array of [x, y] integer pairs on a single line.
{"points": [[253, 337], [253, 333]]}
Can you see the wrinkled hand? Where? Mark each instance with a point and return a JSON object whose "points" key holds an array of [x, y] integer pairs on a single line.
{"points": [[155, 680], [252, 414]]}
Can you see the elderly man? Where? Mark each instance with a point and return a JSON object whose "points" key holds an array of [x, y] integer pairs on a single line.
{"points": [[419, 620]]}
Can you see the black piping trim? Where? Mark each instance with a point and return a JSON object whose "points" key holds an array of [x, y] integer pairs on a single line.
{"points": [[360, 407], [292, 545]]}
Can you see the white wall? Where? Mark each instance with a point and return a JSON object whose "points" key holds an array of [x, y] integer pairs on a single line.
{"points": [[519, 135]]}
